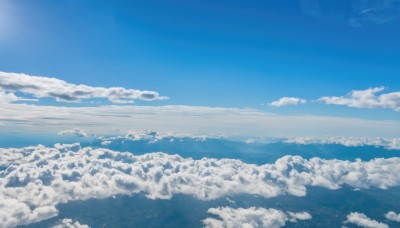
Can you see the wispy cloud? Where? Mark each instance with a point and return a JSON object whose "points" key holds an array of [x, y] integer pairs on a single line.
{"points": [[284, 101], [40, 87], [187, 119], [368, 98]]}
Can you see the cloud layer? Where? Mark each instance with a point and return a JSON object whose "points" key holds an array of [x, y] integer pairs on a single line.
{"points": [[387, 143], [40, 87], [186, 120], [252, 217], [366, 99], [362, 220], [34, 180], [284, 101]]}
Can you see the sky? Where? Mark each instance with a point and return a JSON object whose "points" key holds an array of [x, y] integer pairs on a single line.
{"points": [[199, 113], [227, 54]]}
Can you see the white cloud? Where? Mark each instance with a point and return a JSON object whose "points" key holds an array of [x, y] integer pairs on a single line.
{"points": [[366, 99], [11, 97], [287, 101], [392, 216], [252, 217], [68, 223], [36, 179], [187, 120], [153, 136], [388, 143], [76, 131], [361, 219], [62, 91]]}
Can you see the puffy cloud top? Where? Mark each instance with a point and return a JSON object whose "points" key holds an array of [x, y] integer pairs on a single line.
{"points": [[252, 217], [76, 131], [62, 91], [34, 180], [362, 220], [393, 216], [366, 99], [287, 101], [68, 223]]}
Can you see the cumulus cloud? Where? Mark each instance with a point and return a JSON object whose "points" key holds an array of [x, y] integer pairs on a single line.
{"points": [[153, 136], [76, 131], [366, 99], [252, 217], [387, 143], [362, 220], [34, 180], [393, 216], [284, 101], [69, 223], [40, 87]]}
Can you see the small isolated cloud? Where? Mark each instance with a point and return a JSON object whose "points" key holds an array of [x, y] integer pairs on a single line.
{"points": [[76, 131], [69, 223], [366, 99], [60, 90], [284, 101], [252, 217], [362, 220], [393, 216]]}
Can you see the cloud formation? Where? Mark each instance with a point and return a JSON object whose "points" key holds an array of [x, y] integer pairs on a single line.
{"points": [[68, 223], [252, 217], [76, 131], [366, 99], [387, 143], [60, 90], [362, 220], [284, 101], [393, 216], [34, 180], [153, 136]]}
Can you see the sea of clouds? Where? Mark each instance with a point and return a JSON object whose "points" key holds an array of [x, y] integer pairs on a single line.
{"points": [[34, 180]]}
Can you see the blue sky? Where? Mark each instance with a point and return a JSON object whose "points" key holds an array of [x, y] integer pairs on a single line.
{"points": [[234, 54]]}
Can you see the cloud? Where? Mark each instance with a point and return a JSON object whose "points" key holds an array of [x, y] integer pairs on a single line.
{"points": [[153, 136], [284, 101], [366, 99], [374, 12], [252, 217], [34, 180], [11, 97], [60, 90], [76, 131], [68, 223], [387, 143], [392, 216], [361, 219]]}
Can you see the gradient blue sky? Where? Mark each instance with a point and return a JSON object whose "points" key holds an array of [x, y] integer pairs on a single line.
{"points": [[211, 53]]}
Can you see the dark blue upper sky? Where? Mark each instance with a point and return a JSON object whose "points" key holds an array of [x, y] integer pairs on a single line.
{"points": [[211, 53]]}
